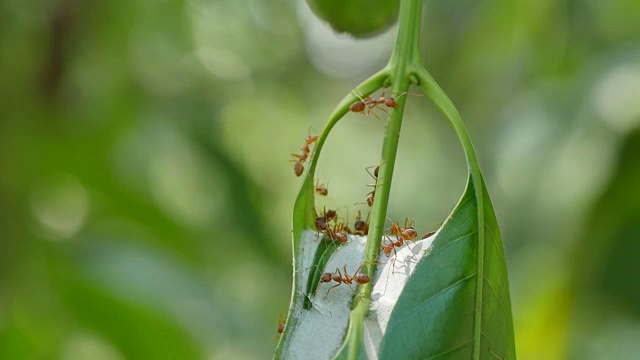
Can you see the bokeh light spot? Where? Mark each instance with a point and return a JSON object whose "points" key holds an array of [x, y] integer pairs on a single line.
{"points": [[60, 205], [616, 97]]}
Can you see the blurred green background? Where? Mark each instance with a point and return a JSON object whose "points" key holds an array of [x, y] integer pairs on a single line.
{"points": [[146, 190]]}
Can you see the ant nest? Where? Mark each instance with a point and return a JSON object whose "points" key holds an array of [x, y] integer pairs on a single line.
{"points": [[319, 332]]}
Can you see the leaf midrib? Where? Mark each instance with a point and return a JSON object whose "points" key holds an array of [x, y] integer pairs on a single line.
{"points": [[477, 324]]}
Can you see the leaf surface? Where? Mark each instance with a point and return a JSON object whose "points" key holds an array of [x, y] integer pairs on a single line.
{"points": [[456, 305]]}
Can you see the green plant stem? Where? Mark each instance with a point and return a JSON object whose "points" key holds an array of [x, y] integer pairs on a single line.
{"points": [[405, 56]]}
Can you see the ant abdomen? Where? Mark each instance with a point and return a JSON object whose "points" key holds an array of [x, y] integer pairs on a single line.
{"points": [[357, 107], [362, 279]]}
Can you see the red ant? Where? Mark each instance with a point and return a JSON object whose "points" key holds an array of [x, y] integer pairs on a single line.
{"points": [[428, 235], [386, 248], [339, 233], [281, 323], [431, 233], [372, 194], [358, 278], [391, 101], [366, 104], [321, 189], [330, 215], [298, 167], [402, 234], [322, 221], [362, 227], [408, 232]]}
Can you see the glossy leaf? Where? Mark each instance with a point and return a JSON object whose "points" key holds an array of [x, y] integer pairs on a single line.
{"points": [[359, 18]]}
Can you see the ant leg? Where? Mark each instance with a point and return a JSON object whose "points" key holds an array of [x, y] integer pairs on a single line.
{"points": [[408, 224], [401, 95], [393, 262], [357, 271], [345, 272], [386, 283], [380, 264], [407, 93], [351, 287], [415, 245], [314, 130], [377, 106], [372, 113], [395, 255], [327, 294], [361, 96]]}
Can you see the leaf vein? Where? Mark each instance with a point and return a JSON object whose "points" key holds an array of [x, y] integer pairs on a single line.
{"points": [[495, 243], [452, 242], [463, 202], [493, 290], [449, 287], [458, 347]]}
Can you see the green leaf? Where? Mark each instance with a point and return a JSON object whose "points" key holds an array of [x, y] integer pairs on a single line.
{"points": [[326, 248], [305, 240], [359, 18], [456, 304]]}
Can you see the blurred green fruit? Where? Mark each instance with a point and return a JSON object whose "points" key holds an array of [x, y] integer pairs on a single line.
{"points": [[359, 18]]}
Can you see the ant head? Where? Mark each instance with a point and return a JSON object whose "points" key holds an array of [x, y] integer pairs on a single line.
{"points": [[391, 102], [386, 249], [321, 223], [375, 172], [326, 277], [359, 225]]}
